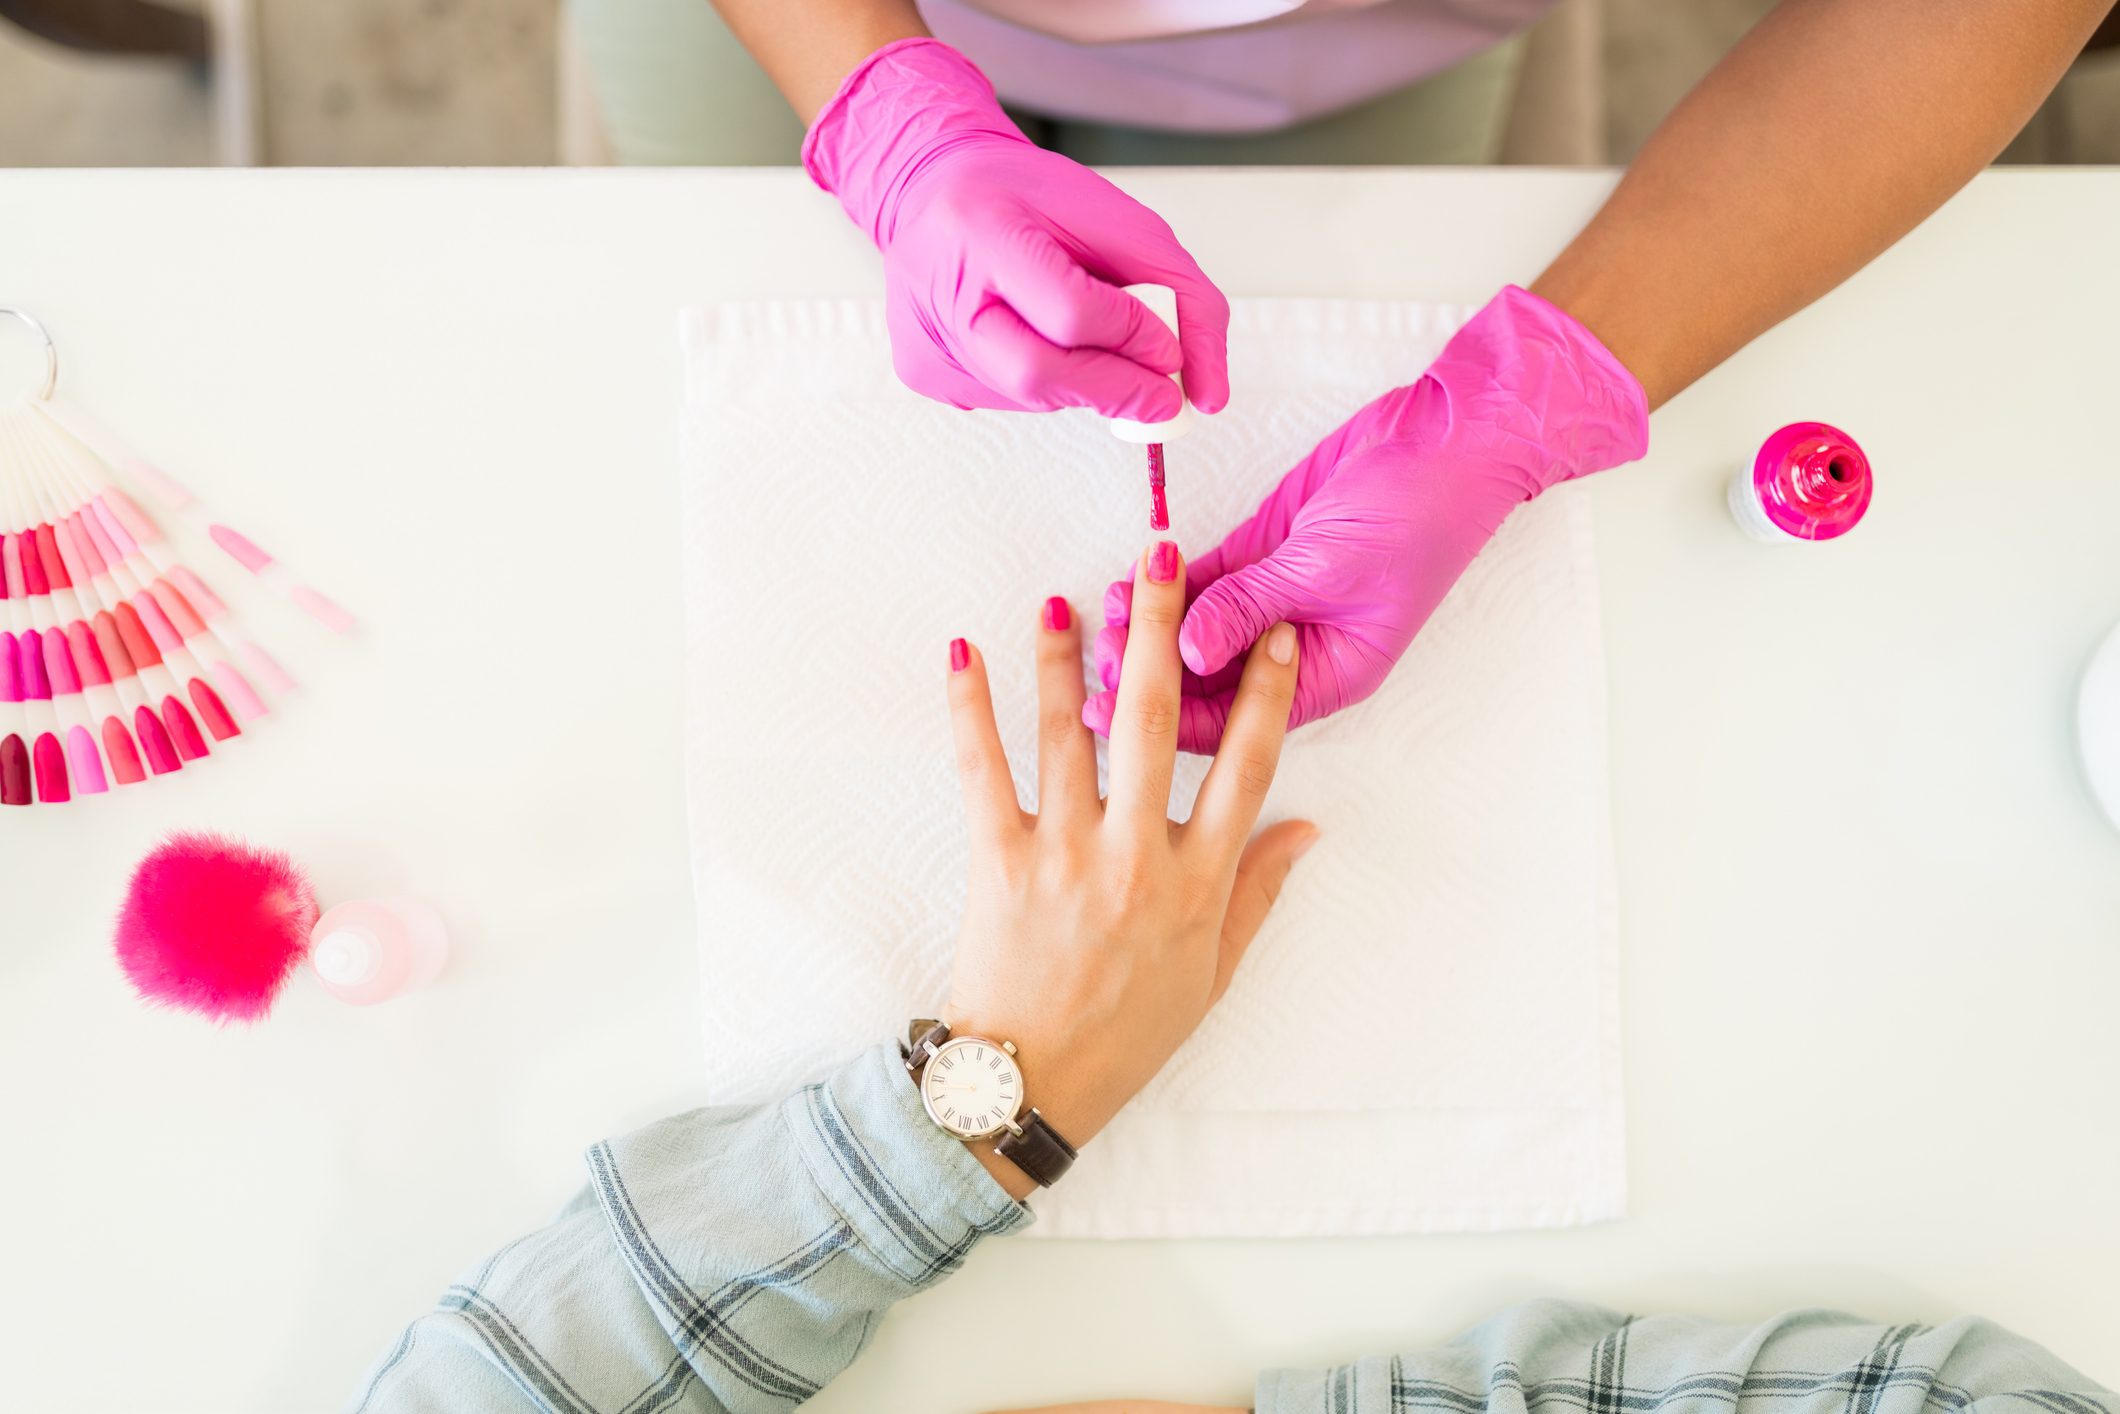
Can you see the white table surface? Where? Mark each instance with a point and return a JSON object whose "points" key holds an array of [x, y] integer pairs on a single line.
{"points": [[1871, 917]]}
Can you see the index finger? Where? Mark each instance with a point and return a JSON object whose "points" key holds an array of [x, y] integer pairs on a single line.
{"points": [[1236, 785]]}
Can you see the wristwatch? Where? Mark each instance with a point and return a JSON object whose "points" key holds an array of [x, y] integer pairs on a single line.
{"points": [[973, 1088]]}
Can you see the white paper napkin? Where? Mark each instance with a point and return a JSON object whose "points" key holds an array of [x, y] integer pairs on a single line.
{"points": [[1424, 1036]]}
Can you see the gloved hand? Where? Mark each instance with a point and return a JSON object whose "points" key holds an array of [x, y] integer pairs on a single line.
{"points": [[1003, 261], [1361, 541]]}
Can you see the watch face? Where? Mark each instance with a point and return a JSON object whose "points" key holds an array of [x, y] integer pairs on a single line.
{"points": [[971, 1087]]}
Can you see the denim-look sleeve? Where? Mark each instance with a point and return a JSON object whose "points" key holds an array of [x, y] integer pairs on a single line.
{"points": [[1563, 1358], [731, 1259]]}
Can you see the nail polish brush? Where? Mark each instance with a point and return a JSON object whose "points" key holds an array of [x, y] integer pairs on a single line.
{"points": [[1162, 302]]}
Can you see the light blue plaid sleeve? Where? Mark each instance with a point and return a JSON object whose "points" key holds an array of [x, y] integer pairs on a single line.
{"points": [[1559, 1357], [729, 1260]]}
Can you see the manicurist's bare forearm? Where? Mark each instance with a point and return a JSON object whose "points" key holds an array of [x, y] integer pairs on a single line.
{"points": [[1831, 131], [807, 46]]}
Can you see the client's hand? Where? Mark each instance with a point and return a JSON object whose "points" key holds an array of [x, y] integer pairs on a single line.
{"points": [[1098, 933]]}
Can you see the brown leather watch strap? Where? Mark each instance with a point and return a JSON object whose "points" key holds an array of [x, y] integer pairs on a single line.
{"points": [[1038, 1150], [920, 1038]]}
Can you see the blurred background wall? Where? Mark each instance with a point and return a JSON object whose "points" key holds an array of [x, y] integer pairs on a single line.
{"points": [[491, 82]]}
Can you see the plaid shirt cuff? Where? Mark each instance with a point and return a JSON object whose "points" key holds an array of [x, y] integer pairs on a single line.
{"points": [[917, 1198]]}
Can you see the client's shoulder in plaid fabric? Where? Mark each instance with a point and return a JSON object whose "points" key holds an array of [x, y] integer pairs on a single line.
{"points": [[1566, 1358]]}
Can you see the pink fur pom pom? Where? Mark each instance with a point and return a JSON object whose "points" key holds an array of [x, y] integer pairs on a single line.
{"points": [[214, 926]]}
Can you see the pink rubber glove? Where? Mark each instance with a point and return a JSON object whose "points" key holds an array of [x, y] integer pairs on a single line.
{"points": [[1003, 261], [1361, 541]]}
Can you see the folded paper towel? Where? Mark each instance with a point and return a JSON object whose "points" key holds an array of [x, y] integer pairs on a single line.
{"points": [[1446, 957]]}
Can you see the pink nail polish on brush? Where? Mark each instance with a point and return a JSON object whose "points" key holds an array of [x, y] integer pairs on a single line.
{"points": [[371, 950]]}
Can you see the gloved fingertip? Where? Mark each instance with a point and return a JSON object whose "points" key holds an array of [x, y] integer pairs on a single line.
{"points": [[1110, 653], [1097, 712], [1119, 602], [1199, 645]]}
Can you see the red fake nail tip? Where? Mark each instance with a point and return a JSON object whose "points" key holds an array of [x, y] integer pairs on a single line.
{"points": [[139, 644], [34, 580], [14, 771], [112, 642], [88, 658], [960, 655], [183, 731], [48, 551], [154, 741], [212, 711], [125, 766], [1057, 617], [51, 771]]}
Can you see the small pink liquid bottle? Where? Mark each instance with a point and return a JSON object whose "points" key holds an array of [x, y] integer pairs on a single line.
{"points": [[1809, 482], [373, 949]]}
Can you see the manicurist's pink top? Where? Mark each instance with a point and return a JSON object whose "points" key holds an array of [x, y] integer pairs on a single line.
{"points": [[1215, 66]]}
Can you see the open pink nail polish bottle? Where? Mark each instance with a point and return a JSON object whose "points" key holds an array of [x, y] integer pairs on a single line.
{"points": [[373, 949]]}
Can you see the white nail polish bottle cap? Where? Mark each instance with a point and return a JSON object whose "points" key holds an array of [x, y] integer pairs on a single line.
{"points": [[347, 956], [1162, 302]]}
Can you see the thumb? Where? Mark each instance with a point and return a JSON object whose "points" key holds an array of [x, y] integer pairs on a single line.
{"points": [[1260, 873], [1232, 612]]}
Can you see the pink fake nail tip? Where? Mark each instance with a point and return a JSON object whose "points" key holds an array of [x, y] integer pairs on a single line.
{"points": [[177, 609], [131, 516], [10, 668], [237, 691], [154, 741], [88, 658], [1163, 562], [11, 566], [265, 668], [87, 764], [50, 760], [125, 766], [213, 711], [960, 655], [1057, 617], [159, 483], [321, 609], [159, 628], [85, 545], [183, 731], [239, 548], [36, 683], [194, 589], [59, 664], [121, 539]]}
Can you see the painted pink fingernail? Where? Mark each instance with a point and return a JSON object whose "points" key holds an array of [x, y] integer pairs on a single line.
{"points": [[1057, 617], [1163, 562], [960, 655]]}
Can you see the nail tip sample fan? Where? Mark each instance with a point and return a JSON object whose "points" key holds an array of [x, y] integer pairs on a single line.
{"points": [[117, 661]]}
